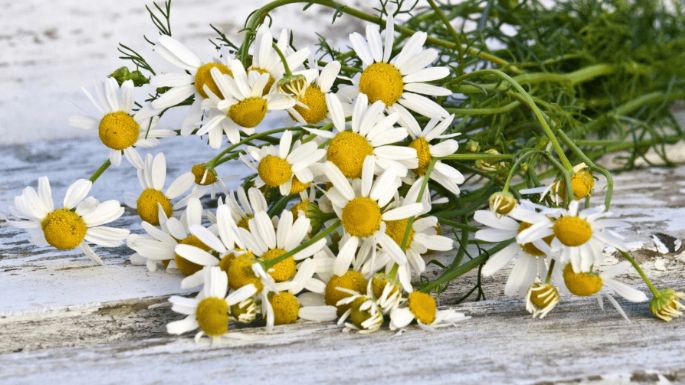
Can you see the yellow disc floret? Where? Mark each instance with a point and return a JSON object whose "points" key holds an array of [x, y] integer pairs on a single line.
{"points": [[64, 229], [203, 77], [348, 150], [300, 207], [248, 112], [203, 175], [382, 81], [582, 183], [361, 217], [240, 272], [572, 231], [352, 280], [297, 187], [581, 284], [274, 171], [357, 315], [118, 130], [314, 109], [378, 284], [423, 307], [185, 266], [286, 307], [148, 208], [212, 316], [396, 230], [422, 154], [269, 83], [282, 271], [529, 247], [244, 222], [543, 295]]}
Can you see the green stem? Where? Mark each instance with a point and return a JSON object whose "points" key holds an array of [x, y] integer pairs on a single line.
{"points": [[639, 270], [286, 67], [476, 156], [272, 262], [550, 270], [104, 166], [485, 111], [515, 166]]}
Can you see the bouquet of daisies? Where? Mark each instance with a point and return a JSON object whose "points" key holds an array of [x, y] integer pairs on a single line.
{"points": [[388, 163]]}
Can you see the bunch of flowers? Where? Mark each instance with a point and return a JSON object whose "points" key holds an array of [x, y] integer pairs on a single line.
{"points": [[340, 211]]}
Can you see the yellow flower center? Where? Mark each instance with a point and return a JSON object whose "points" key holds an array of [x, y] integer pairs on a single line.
{"points": [[212, 316], [542, 295], [315, 102], [358, 316], [282, 271], [269, 83], [240, 272], [64, 229], [148, 208], [300, 206], [572, 231], [185, 266], [352, 280], [361, 217], [382, 81], [347, 150], [530, 247], [274, 171], [396, 229], [581, 284], [248, 112], [423, 307], [203, 176], [244, 222], [225, 262], [203, 78], [582, 183], [378, 283], [297, 186], [502, 202], [118, 130], [422, 154], [286, 307]]}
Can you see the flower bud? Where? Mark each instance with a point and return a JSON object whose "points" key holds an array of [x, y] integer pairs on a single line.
{"points": [[541, 299], [502, 202], [666, 304], [293, 85]]}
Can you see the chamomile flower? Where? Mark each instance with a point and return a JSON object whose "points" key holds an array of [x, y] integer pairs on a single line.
{"points": [[118, 127], [542, 298], [579, 234], [363, 211], [422, 308], [311, 105], [283, 166], [363, 314], [244, 205], [444, 174], [370, 133], [265, 59], [78, 223], [152, 199], [240, 105], [209, 311], [399, 81]]}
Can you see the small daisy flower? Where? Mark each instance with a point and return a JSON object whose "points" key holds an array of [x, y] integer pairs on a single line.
{"points": [[363, 313], [283, 166], [152, 177], [579, 235], [541, 298], [244, 205], [209, 311], [371, 133], [363, 211], [240, 105], [401, 81], [666, 304], [311, 105], [447, 176], [422, 308], [582, 184], [118, 127], [77, 224], [265, 59]]}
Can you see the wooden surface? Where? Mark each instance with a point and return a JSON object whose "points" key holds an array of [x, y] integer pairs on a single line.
{"points": [[64, 320]]}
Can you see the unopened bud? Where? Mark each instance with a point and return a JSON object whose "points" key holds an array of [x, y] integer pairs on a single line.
{"points": [[502, 202], [293, 85]]}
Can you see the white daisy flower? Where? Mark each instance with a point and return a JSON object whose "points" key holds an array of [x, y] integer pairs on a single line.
{"points": [[118, 127], [542, 298], [209, 311], [422, 308], [285, 165], [152, 177], [265, 59], [579, 235], [401, 81], [311, 105], [244, 205], [363, 313], [77, 224], [363, 212], [240, 105], [371, 133]]}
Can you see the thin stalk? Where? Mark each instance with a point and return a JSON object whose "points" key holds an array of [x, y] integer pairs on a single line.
{"points": [[639, 270], [96, 174]]}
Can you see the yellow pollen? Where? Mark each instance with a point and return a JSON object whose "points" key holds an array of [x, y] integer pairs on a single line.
{"points": [[64, 229], [358, 316], [572, 231], [225, 262], [581, 284], [203, 176], [382, 81], [282, 271], [422, 154], [347, 150], [240, 272], [361, 217], [248, 112], [378, 283], [396, 229], [582, 183], [530, 247], [203, 77], [244, 222], [269, 83], [315, 102], [301, 206], [147, 205], [423, 307], [212, 316], [352, 280], [286, 307], [274, 171], [297, 186], [185, 266], [118, 130]]}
